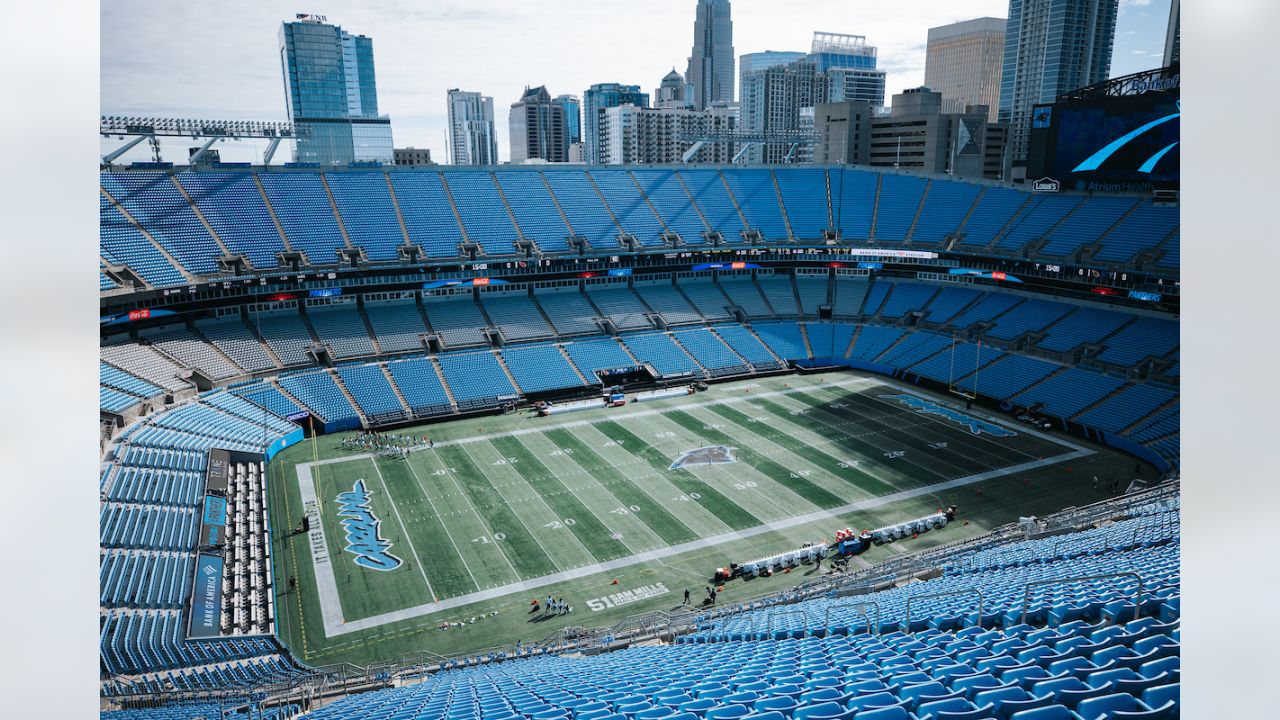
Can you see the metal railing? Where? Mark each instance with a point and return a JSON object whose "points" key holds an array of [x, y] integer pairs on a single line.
{"points": [[859, 608], [1026, 595], [906, 621]]}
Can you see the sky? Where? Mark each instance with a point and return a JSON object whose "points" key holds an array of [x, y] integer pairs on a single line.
{"points": [[181, 60]]}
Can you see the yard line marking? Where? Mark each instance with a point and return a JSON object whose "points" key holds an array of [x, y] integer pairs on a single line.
{"points": [[403, 528], [333, 630], [517, 513], [440, 518], [467, 499]]}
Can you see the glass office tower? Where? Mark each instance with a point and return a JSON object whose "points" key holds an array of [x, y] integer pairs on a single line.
{"points": [[330, 89]]}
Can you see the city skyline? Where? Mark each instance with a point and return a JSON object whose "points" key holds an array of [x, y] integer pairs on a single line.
{"points": [[227, 67]]}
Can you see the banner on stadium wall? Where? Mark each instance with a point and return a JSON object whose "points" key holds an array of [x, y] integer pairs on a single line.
{"points": [[206, 598], [215, 475], [213, 522], [293, 438]]}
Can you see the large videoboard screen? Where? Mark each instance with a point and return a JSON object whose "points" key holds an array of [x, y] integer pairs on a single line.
{"points": [[1109, 144]]}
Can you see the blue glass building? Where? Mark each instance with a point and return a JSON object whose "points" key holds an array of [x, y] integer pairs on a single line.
{"points": [[330, 88], [572, 117], [598, 98]]}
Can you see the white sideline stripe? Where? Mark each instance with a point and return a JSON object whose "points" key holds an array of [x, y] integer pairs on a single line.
{"points": [[326, 584], [334, 629]]}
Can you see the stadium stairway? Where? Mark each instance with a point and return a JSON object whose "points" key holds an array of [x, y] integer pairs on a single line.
{"points": [[915, 219], [502, 363], [368, 326], [333, 205], [404, 404]]}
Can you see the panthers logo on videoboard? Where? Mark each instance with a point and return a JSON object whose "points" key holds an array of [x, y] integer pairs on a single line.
{"points": [[361, 526], [710, 455]]}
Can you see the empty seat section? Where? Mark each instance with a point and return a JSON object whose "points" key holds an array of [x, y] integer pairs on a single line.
{"points": [[899, 203], [667, 302], [853, 202], [1083, 325], [180, 344], [157, 205], [986, 309], [364, 203], [1143, 229], [1127, 407], [710, 352], [420, 385], [994, 210], [804, 196], [1169, 253], [146, 363], [114, 400], [872, 340], [427, 212], [121, 244], [783, 338], [117, 379], [914, 348], [268, 397], [321, 394], [587, 214], [597, 354], [534, 209], [302, 206], [948, 302], [620, 305], [629, 207], [661, 352], [747, 345], [668, 196], [515, 315], [829, 340], [1036, 219], [875, 297], [484, 216], [476, 379], [742, 291], [778, 291], [812, 290], [906, 297], [1140, 339], [850, 292], [237, 341], [1069, 392], [284, 331], [340, 326], [456, 319], [710, 196], [104, 282], [1008, 376], [232, 205], [758, 201], [959, 360], [397, 324], [538, 368], [369, 386], [1030, 316], [944, 210], [568, 309], [706, 296], [1091, 219]]}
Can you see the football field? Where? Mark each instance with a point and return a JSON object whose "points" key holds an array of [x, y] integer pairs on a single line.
{"points": [[656, 496]]}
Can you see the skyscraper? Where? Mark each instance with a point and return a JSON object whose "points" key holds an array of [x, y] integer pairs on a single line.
{"points": [[963, 64], [1051, 47], [1173, 37], [572, 117], [329, 88], [710, 73], [471, 137], [537, 128], [772, 98], [671, 92], [849, 65], [595, 100]]}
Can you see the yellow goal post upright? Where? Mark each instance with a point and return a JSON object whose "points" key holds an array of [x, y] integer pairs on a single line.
{"points": [[952, 386]]}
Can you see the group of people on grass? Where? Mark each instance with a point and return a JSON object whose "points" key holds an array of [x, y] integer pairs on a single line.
{"points": [[553, 606]]}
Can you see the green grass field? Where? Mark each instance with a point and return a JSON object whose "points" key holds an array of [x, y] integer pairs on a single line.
{"points": [[507, 508]]}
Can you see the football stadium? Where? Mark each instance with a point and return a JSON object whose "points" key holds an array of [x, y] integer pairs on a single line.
{"points": [[698, 442], [723, 439]]}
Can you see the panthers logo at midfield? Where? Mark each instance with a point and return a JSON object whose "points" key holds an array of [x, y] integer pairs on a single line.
{"points": [[710, 455]]}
